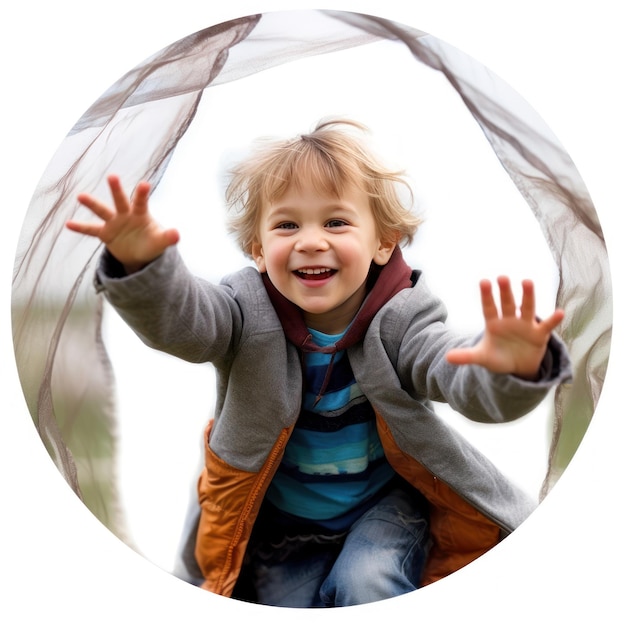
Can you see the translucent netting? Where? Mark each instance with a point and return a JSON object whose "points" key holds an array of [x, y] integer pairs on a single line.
{"points": [[135, 127]]}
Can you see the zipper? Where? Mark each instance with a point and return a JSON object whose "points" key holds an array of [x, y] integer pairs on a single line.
{"points": [[259, 484]]}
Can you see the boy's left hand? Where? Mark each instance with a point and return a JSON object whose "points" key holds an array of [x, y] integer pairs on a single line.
{"points": [[512, 344]]}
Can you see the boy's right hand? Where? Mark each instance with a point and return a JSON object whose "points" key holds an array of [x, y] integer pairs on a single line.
{"points": [[128, 230]]}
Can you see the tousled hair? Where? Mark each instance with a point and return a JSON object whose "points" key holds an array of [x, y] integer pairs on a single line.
{"points": [[332, 158]]}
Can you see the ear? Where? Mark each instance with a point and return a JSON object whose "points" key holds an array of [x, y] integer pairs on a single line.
{"points": [[256, 250], [384, 251]]}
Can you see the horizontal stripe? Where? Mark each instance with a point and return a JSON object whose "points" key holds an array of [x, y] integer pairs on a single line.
{"points": [[310, 448], [332, 472], [357, 411], [331, 400], [325, 501]]}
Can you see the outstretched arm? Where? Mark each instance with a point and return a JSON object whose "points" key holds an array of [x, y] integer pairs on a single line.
{"points": [[511, 344], [127, 229]]}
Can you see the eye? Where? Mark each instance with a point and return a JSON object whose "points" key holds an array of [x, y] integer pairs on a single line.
{"points": [[287, 226], [336, 223]]}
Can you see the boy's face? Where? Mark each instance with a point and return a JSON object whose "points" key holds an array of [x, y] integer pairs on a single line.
{"points": [[317, 250]]}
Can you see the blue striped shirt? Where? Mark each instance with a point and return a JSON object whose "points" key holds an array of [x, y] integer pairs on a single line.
{"points": [[334, 461]]}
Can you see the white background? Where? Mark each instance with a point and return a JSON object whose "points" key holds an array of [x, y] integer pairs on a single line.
{"points": [[565, 58]]}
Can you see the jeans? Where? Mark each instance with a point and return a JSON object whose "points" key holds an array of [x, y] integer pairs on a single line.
{"points": [[381, 556]]}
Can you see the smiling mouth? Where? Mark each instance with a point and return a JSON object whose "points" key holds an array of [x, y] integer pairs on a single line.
{"points": [[315, 273]]}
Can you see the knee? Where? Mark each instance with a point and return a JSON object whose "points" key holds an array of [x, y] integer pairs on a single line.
{"points": [[366, 577]]}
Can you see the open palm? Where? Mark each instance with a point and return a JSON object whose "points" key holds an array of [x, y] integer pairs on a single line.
{"points": [[512, 343], [127, 229]]}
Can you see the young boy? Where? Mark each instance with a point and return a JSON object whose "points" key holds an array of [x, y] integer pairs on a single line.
{"points": [[328, 478]]}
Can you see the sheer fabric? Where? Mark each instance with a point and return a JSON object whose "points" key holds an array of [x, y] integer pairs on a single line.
{"points": [[135, 127]]}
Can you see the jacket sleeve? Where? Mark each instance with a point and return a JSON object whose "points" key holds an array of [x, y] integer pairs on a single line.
{"points": [[420, 344], [170, 309]]}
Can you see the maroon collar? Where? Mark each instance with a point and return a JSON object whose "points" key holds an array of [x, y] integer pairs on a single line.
{"points": [[384, 283]]}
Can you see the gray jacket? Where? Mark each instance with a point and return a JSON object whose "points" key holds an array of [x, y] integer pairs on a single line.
{"points": [[400, 366]]}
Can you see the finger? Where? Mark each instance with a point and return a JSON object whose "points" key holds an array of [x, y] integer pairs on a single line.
{"points": [[84, 228], [140, 198], [98, 208], [527, 308], [507, 300], [553, 321], [462, 356], [120, 199], [170, 237], [490, 310]]}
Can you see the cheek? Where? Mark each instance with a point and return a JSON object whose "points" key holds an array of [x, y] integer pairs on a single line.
{"points": [[357, 256], [276, 255]]}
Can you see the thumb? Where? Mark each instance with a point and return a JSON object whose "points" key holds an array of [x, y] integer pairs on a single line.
{"points": [[462, 356], [170, 237]]}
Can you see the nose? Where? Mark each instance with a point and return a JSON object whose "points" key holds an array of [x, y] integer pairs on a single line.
{"points": [[311, 239]]}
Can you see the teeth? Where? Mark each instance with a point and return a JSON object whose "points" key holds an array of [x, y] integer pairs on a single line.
{"points": [[317, 270]]}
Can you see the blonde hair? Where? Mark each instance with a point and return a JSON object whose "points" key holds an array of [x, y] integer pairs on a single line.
{"points": [[329, 157]]}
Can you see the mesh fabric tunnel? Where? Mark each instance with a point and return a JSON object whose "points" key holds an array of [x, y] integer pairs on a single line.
{"points": [[135, 127]]}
